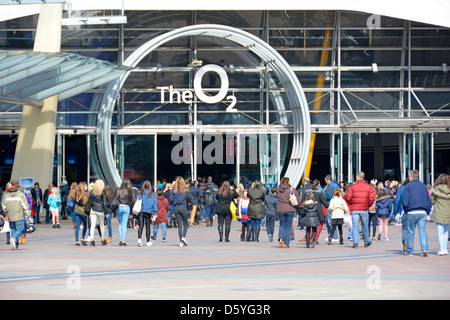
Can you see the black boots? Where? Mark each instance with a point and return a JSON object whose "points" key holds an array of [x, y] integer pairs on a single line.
{"points": [[257, 230]]}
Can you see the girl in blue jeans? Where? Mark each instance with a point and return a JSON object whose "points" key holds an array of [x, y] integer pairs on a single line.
{"points": [[126, 200]]}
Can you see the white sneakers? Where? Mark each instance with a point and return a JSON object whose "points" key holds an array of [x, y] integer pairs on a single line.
{"points": [[149, 244], [442, 253], [183, 242]]}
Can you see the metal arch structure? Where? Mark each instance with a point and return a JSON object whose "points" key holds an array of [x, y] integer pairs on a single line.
{"points": [[286, 76]]}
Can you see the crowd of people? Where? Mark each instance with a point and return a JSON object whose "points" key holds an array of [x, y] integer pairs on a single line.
{"points": [[360, 206]]}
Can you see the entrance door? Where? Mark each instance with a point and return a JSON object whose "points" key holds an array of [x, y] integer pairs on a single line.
{"points": [[346, 156]]}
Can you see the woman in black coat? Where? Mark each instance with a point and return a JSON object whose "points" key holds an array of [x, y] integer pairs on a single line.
{"points": [[224, 197]]}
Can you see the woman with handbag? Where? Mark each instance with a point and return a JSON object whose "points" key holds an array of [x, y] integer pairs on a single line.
{"points": [[81, 197], [255, 209], [148, 208], [125, 201], [224, 198], [286, 209]]}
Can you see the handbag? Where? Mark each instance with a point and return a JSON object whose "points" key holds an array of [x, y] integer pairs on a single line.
{"points": [[348, 220], [71, 205], [114, 204], [293, 199], [137, 206], [233, 210], [87, 206]]}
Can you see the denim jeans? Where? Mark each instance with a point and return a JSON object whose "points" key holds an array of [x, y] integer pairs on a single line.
{"points": [[404, 228], [16, 231], [156, 228], [108, 217], [80, 219], [362, 216], [210, 211], [442, 235], [123, 213], [270, 224], [413, 221], [285, 226]]}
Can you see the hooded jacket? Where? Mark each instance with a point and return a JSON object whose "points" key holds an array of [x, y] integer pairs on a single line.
{"points": [[383, 206], [15, 205], [283, 192], [255, 205], [338, 207], [310, 214], [440, 198]]}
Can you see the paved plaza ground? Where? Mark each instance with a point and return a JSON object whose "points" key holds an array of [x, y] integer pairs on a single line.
{"points": [[49, 266]]}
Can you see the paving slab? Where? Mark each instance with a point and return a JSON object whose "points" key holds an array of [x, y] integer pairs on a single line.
{"points": [[50, 267]]}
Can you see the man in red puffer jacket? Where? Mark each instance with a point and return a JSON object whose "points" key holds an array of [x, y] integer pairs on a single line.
{"points": [[360, 196]]}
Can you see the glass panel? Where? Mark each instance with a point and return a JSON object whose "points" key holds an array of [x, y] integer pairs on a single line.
{"points": [[259, 158], [337, 157], [298, 19], [238, 19], [75, 158], [282, 38], [367, 57], [158, 19], [369, 79], [216, 157], [135, 158], [8, 149], [175, 153], [93, 39], [372, 38], [426, 158]]}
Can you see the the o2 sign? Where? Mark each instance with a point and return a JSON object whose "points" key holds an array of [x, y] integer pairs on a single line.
{"points": [[186, 96]]}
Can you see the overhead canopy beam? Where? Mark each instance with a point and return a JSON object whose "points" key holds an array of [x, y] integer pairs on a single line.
{"points": [[30, 77]]}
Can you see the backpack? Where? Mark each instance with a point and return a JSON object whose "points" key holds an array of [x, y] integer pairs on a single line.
{"points": [[209, 197]]}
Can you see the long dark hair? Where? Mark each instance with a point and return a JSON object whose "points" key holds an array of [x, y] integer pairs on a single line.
{"points": [[127, 189], [225, 188], [442, 179], [81, 194], [109, 193]]}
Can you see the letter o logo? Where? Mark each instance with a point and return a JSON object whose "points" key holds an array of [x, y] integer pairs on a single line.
{"points": [[223, 86]]}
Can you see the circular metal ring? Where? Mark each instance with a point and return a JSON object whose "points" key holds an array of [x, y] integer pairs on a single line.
{"points": [[293, 89]]}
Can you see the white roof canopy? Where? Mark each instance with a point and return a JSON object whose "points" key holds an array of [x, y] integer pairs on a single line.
{"points": [[433, 12]]}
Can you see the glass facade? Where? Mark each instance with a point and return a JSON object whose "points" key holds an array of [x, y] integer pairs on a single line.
{"points": [[359, 81]]}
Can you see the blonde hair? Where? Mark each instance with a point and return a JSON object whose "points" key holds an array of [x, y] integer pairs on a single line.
{"points": [[98, 188], [55, 190], [180, 183]]}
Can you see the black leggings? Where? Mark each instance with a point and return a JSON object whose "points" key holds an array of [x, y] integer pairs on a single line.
{"points": [[373, 218], [333, 229], [144, 217], [182, 220]]}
